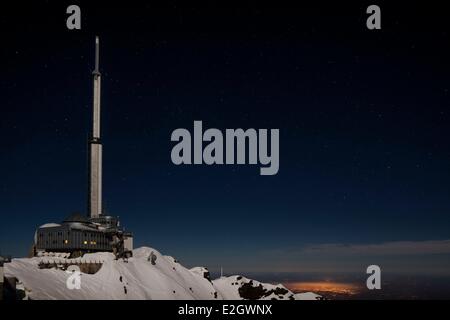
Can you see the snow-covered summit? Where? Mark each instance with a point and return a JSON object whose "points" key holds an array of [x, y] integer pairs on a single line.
{"points": [[147, 275], [238, 287]]}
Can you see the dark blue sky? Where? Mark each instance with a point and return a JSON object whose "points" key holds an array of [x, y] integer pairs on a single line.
{"points": [[363, 118]]}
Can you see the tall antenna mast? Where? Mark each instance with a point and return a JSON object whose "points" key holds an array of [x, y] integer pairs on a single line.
{"points": [[95, 145]]}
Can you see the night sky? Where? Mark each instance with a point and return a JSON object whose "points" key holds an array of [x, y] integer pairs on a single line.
{"points": [[363, 115]]}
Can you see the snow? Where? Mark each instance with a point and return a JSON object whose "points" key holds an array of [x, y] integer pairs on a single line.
{"points": [[238, 287], [307, 296], [50, 225], [201, 271], [147, 275]]}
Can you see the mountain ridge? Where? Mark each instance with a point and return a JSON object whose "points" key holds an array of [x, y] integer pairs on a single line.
{"points": [[148, 275]]}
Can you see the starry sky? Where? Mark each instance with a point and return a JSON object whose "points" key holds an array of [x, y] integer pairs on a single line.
{"points": [[363, 116]]}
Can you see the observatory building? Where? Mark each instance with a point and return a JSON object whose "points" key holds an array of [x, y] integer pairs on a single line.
{"points": [[80, 234]]}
